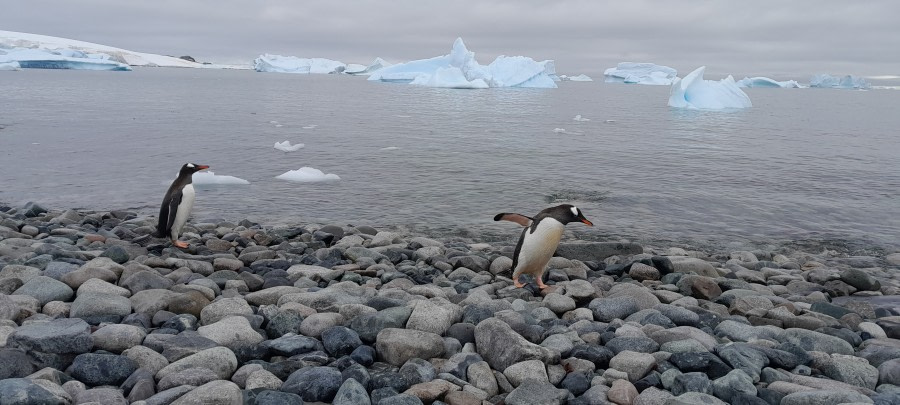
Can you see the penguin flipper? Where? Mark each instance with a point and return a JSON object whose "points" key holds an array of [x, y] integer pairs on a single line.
{"points": [[513, 217], [173, 210]]}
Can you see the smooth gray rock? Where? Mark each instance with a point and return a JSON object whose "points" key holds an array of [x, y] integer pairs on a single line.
{"points": [[59, 336], [314, 383], [396, 346], [102, 369], [46, 289], [16, 391], [534, 392], [596, 251], [502, 347], [824, 397], [218, 392], [351, 392]]}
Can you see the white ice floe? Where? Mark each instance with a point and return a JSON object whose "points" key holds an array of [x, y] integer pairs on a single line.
{"points": [[694, 92], [287, 147], [767, 82], [641, 73], [390, 148], [578, 78], [209, 178], [293, 64], [59, 59], [310, 126], [307, 175], [357, 69], [9, 65], [559, 130], [580, 118], [845, 82], [459, 69], [11, 39]]}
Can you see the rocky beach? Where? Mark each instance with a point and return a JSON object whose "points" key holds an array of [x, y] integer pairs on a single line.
{"points": [[93, 309]]}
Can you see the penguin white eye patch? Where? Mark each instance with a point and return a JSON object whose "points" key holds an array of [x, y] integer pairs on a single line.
{"points": [[575, 211], [191, 165]]}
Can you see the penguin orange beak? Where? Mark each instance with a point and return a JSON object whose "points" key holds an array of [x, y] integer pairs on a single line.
{"points": [[586, 222], [202, 167]]}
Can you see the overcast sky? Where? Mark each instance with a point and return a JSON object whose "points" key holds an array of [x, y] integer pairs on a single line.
{"points": [[794, 38]]}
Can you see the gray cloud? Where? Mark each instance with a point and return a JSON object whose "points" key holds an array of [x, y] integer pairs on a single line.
{"points": [[767, 37]]}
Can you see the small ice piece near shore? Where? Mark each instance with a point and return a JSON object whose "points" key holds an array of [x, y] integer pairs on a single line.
{"points": [[390, 148], [641, 73], [209, 178], [579, 118], [307, 175], [310, 126], [846, 82], [694, 92], [559, 130], [287, 147], [767, 82], [293, 64]]}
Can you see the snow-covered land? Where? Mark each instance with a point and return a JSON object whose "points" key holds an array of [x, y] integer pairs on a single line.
{"points": [[210, 178], [307, 175], [767, 82], [694, 92], [26, 58], [293, 64], [459, 69], [641, 73], [287, 147], [10, 40], [846, 82]]}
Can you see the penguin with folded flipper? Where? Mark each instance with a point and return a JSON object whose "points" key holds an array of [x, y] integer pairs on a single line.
{"points": [[177, 204], [539, 239]]}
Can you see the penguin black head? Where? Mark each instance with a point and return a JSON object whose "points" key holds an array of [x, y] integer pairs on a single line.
{"points": [[568, 213], [191, 168]]}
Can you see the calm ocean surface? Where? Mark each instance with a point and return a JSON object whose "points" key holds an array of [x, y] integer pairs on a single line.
{"points": [[801, 165]]}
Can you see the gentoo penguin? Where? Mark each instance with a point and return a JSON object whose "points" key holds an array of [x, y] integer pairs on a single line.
{"points": [[539, 239], [177, 204]]}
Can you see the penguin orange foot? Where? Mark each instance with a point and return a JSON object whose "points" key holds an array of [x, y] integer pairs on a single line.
{"points": [[177, 204], [539, 239]]}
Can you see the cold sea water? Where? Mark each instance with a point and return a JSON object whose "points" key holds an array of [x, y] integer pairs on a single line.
{"points": [[809, 167]]}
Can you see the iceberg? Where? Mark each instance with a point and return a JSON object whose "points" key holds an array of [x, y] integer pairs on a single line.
{"points": [[641, 73], [9, 65], [12, 40], [579, 78], [459, 69], [356, 69], [59, 59], [287, 147], [767, 82], [293, 64], [694, 92], [307, 175], [209, 178], [846, 82], [580, 118]]}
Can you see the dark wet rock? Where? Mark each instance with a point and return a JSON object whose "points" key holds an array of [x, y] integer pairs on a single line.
{"points": [[314, 383], [25, 391], [102, 369]]}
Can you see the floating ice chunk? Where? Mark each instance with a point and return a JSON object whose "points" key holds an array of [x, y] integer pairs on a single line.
{"points": [[357, 69], [390, 148], [767, 82], [9, 65], [579, 118], [273, 122], [293, 64], [609, 121], [58, 59], [310, 126], [694, 92], [579, 78], [287, 147], [559, 130], [459, 69], [641, 73], [307, 175], [451, 78], [209, 178], [846, 82]]}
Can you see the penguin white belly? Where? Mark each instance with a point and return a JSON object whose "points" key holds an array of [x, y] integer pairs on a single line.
{"points": [[538, 247], [184, 210]]}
